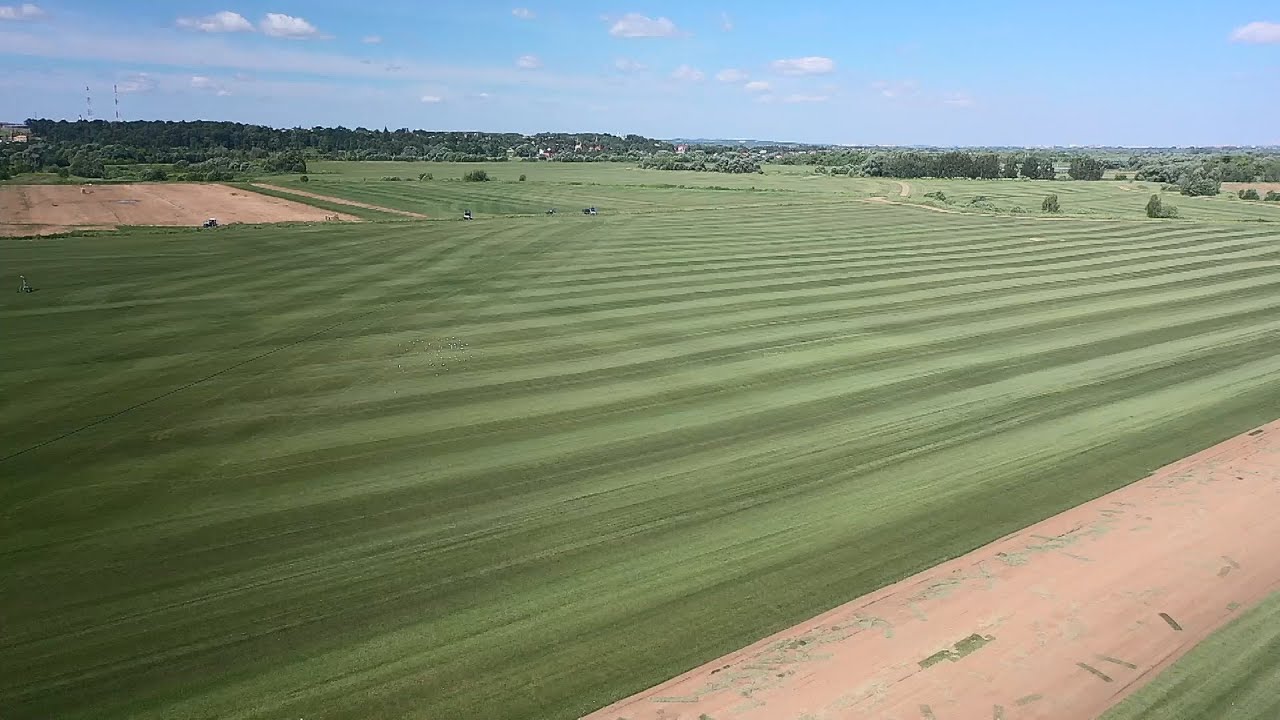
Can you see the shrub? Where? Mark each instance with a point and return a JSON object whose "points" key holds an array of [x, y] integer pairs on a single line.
{"points": [[476, 176], [1248, 194], [304, 178], [522, 178], [1272, 196], [1050, 204], [1157, 209]]}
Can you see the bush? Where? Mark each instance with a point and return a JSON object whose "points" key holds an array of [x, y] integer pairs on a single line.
{"points": [[476, 176], [1050, 204], [1272, 196], [522, 178], [1248, 194], [1157, 209], [304, 178]]}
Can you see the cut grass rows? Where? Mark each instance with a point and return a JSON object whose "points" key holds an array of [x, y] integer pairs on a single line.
{"points": [[538, 464]]}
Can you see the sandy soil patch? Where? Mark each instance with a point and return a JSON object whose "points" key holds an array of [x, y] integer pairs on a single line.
{"points": [[339, 201], [1262, 187], [45, 209], [1060, 620]]}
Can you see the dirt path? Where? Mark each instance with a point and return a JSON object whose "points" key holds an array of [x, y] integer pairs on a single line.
{"points": [[904, 188], [339, 201], [1060, 620]]}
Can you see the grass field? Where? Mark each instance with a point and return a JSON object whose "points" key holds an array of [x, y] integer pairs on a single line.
{"points": [[522, 467], [1233, 675], [619, 187]]}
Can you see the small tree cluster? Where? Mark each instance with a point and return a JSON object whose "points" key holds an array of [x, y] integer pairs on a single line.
{"points": [[1050, 204], [1199, 183], [1085, 168], [1157, 209], [476, 176]]}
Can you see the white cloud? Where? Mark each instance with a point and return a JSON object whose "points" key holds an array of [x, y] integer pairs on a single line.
{"points": [[225, 21], [628, 65], [689, 74], [726, 22], [756, 86], [136, 83], [811, 65], [635, 25], [805, 98], [25, 11], [731, 75], [431, 98], [205, 83], [371, 39], [523, 13], [528, 62], [215, 52], [896, 88], [287, 26], [957, 99], [1260, 32]]}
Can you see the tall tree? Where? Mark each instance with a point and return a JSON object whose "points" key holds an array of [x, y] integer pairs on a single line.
{"points": [[1010, 169], [1031, 167]]}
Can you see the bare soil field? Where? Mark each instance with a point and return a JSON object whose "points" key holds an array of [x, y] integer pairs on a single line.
{"points": [[47, 209], [1262, 187], [339, 201], [1060, 620]]}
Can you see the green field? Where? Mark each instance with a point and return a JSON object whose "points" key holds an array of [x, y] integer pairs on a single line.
{"points": [[524, 466], [623, 188], [1233, 675]]}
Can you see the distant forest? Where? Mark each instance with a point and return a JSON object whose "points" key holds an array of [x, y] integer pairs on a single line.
{"points": [[218, 151]]}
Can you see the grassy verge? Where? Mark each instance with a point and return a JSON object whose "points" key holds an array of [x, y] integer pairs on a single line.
{"points": [[362, 213]]}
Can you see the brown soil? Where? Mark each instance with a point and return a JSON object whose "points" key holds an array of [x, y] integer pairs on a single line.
{"points": [[1060, 620], [1263, 188], [47, 209], [339, 201]]}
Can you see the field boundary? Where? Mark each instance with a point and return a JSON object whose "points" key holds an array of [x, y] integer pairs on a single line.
{"points": [[1073, 613], [340, 201]]}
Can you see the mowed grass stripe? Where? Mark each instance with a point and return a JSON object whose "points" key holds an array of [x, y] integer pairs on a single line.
{"points": [[518, 535]]}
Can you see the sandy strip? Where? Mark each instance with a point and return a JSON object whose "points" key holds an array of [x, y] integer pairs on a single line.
{"points": [[339, 201], [1060, 620]]}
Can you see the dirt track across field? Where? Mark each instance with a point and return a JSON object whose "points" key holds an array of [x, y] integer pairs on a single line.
{"points": [[339, 201], [47, 209], [1060, 620]]}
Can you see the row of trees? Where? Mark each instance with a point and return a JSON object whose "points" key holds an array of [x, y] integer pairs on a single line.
{"points": [[700, 161], [159, 142]]}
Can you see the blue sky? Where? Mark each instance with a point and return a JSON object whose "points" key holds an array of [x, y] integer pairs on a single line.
{"points": [[1174, 72]]}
